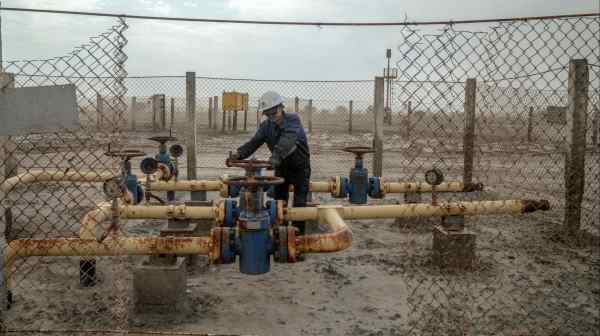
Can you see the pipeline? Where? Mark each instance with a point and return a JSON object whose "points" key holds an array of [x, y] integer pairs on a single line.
{"points": [[112, 246], [425, 210], [53, 176], [338, 240]]}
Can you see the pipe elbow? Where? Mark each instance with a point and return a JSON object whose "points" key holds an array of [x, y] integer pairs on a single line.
{"points": [[324, 243]]}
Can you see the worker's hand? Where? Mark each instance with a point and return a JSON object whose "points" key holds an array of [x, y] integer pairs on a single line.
{"points": [[234, 155]]}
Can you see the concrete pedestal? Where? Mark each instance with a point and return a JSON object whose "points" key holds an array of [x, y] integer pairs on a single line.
{"points": [[453, 248], [159, 284]]}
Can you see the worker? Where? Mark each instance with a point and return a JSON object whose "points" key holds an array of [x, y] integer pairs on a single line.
{"points": [[290, 157]]}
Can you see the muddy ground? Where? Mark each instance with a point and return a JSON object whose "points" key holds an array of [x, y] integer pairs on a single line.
{"points": [[527, 280]]}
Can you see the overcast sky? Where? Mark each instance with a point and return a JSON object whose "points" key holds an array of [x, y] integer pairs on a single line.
{"points": [[265, 52]]}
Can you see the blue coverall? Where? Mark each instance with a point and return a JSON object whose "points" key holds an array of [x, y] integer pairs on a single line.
{"points": [[288, 145]]}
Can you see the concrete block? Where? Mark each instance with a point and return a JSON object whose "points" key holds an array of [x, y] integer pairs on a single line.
{"points": [[453, 249], [159, 284]]}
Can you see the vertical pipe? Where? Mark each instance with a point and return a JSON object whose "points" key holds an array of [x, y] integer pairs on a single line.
{"points": [[378, 126], [172, 112], [310, 107], [190, 106], [133, 109], [469, 131], [576, 144], [350, 107], [530, 124]]}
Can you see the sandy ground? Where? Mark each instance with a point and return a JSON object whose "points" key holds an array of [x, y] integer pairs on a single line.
{"points": [[526, 280]]}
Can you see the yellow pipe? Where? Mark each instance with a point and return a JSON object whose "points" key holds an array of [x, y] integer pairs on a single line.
{"points": [[53, 176], [184, 185], [87, 228], [424, 210], [404, 187], [339, 239], [320, 186], [167, 211], [111, 246]]}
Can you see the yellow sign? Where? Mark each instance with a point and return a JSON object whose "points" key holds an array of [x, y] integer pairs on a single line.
{"points": [[233, 101]]}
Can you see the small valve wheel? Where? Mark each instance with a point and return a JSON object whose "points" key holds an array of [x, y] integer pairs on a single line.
{"points": [[113, 188], [176, 150], [434, 177], [149, 165]]}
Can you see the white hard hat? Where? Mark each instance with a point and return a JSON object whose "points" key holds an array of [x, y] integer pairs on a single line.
{"points": [[269, 100]]}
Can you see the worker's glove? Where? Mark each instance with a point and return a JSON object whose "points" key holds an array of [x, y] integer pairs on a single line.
{"points": [[275, 161], [234, 155]]}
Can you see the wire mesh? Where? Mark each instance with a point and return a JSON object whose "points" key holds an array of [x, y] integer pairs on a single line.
{"points": [[526, 278]]}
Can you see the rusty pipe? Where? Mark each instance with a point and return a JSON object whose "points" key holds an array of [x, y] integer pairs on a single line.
{"points": [[404, 187], [184, 185], [424, 210], [87, 228], [53, 176], [112, 246], [167, 211], [339, 239]]}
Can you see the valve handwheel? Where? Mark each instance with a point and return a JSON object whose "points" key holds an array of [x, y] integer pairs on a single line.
{"points": [[359, 151], [249, 165], [163, 139], [125, 154]]}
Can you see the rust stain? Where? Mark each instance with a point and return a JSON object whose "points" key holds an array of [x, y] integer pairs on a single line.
{"points": [[323, 243], [534, 205]]}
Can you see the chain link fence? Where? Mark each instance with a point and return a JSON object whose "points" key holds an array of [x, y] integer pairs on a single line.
{"points": [[528, 277]]}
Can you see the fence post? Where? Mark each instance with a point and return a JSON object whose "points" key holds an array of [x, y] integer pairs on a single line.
{"points": [[530, 124], [350, 107], [408, 117], [246, 113], [99, 110], [190, 107], [469, 131], [133, 111], [576, 144], [235, 120], [378, 127], [7, 80], [296, 104], [310, 106], [224, 120], [257, 114], [215, 110], [210, 112], [595, 128], [172, 112]]}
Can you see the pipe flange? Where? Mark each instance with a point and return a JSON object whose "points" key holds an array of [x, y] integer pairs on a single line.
{"points": [[224, 191], [382, 187], [336, 186], [215, 246], [220, 212]]}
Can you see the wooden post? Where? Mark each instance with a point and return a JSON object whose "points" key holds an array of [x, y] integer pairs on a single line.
{"points": [[133, 110], [350, 107], [596, 127], [172, 112], [378, 126], [296, 104], [229, 120], [576, 144], [215, 110], [257, 114], [235, 120], [310, 107], [7, 80], [408, 119], [99, 110], [210, 112], [190, 107], [530, 124], [469, 131], [246, 112]]}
